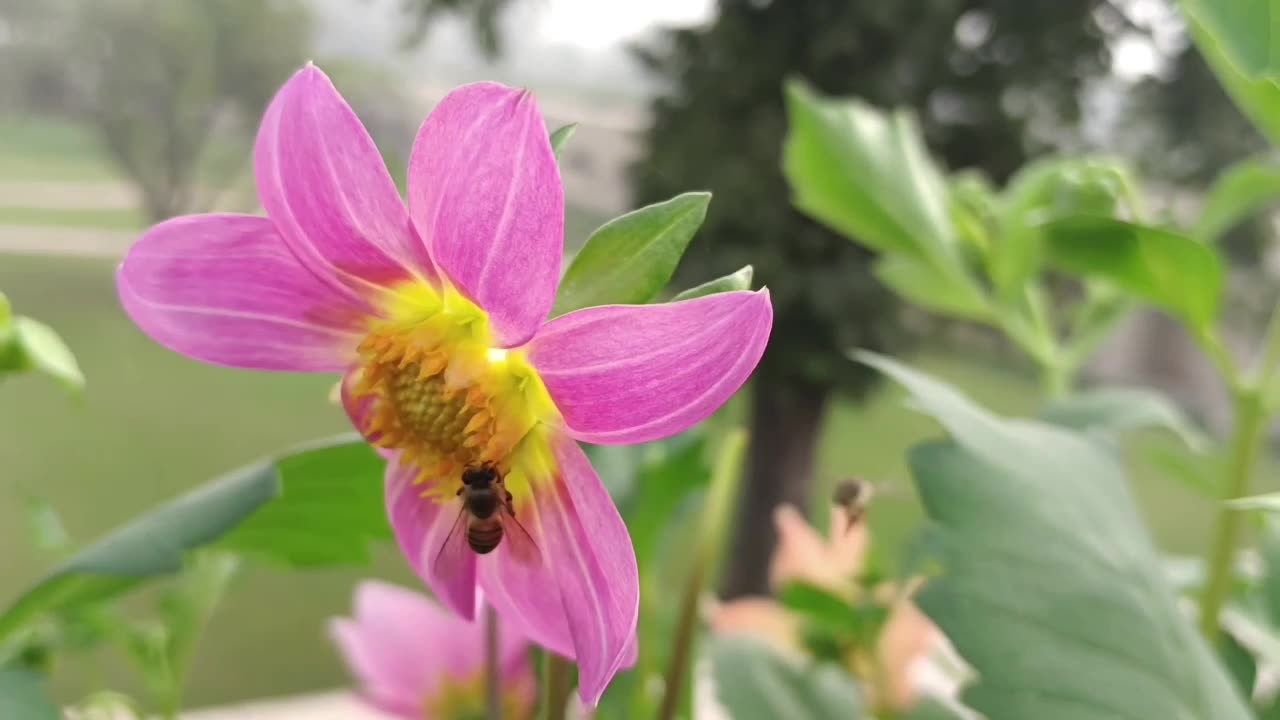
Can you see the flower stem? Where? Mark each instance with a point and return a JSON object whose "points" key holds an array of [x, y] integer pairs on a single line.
{"points": [[555, 688], [1248, 429], [715, 520], [492, 665]]}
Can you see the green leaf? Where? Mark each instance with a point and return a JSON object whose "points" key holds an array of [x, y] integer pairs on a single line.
{"points": [[1258, 99], [329, 511], [754, 682], [1113, 411], [1268, 502], [1247, 33], [1237, 193], [922, 284], [23, 696], [867, 174], [740, 279], [1269, 552], [929, 708], [1239, 663], [45, 351], [45, 526], [1044, 558], [1173, 271], [190, 605], [1045, 189], [630, 258], [662, 485], [151, 545], [561, 137]]}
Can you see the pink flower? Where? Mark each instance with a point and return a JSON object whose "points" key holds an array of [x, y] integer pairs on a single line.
{"points": [[437, 315], [415, 660]]}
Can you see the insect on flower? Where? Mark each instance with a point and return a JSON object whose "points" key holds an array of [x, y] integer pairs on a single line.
{"points": [[437, 314]]}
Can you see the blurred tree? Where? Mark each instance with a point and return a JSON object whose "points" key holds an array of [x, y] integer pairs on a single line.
{"points": [[483, 14], [165, 79], [992, 80]]}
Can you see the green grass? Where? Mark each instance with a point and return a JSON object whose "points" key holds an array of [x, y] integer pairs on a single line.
{"points": [[49, 149], [90, 218]]}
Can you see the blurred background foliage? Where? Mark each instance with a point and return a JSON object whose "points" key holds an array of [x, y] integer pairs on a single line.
{"points": [[116, 113]]}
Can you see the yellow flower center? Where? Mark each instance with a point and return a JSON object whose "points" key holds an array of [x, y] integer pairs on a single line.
{"points": [[459, 699], [446, 398]]}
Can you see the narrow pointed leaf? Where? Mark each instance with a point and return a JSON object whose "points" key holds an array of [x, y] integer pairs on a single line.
{"points": [[561, 137], [149, 546], [739, 279], [629, 259], [1269, 502], [45, 351]]}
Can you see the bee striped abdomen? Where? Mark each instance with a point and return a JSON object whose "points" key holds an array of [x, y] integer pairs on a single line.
{"points": [[483, 537]]}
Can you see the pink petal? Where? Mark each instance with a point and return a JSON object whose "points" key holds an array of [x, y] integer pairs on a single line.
{"points": [[485, 192], [401, 643], [324, 185], [225, 289], [421, 526], [624, 374], [588, 562]]}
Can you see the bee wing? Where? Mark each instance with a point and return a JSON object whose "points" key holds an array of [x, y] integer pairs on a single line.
{"points": [[453, 551], [518, 540]]}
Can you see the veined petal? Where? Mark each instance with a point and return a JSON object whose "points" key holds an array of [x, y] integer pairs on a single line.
{"points": [[485, 193], [624, 374], [589, 560], [225, 289], [324, 185], [421, 526]]}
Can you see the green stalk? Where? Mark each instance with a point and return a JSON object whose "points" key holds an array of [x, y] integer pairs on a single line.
{"points": [[492, 665], [1248, 429], [555, 686], [715, 522]]}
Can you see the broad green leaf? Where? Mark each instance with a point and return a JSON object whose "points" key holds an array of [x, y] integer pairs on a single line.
{"points": [[973, 209], [329, 511], [45, 351], [1113, 411], [1258, 99], [867, 174], [561, 137], [662, 485], [151, 545], [1269, 502], [922, 284], [1237, 193], [23, 696], [1170, 270], [929, 708], [1269, 553], [755, 682], [739, 279], [1043, 190], [1247, 32], [630, 258], [1043, 558]]}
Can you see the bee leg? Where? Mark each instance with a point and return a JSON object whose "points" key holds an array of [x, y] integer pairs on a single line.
{"points": [[510, 507], [464, 487]]}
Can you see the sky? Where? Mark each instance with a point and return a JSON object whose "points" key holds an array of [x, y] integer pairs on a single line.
{"points": [[596, 24]]}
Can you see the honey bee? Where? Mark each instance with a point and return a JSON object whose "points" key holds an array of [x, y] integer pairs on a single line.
{"points": [[486, 518]]}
